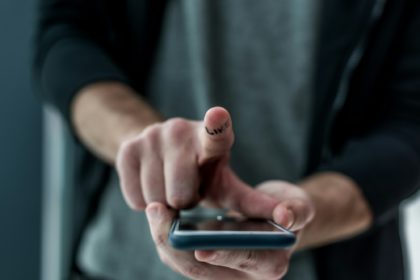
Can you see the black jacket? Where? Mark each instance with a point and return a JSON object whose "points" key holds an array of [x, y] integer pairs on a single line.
{"points": [[374, 138]]}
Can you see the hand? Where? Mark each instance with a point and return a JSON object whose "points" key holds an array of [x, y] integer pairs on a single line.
{"points": [[293, 208], [167, 162]]}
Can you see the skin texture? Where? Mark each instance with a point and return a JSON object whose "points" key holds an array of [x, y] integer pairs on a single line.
{"points": [[167, 165]]}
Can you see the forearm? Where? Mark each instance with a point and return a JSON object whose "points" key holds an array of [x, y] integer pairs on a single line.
{"points": [[107, 113], [341, 210]]}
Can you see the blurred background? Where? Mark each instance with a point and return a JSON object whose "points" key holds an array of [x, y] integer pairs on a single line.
{"points": [[20, 146], [21, 154]]}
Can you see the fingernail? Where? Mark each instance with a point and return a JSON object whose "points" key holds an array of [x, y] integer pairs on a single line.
{"points": [[290, 219], [207, 255]]}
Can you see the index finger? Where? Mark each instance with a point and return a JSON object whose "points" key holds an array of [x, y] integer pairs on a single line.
{"points": [[216, 136]]}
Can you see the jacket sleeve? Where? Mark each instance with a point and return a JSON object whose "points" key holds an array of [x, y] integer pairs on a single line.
{"points": [[385, 162], [73, 49]]}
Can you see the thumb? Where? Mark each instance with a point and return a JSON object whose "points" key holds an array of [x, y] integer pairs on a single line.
{"points": [[294, 214], [216, 135]]}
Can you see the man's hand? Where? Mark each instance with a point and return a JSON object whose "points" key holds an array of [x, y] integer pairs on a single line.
{"points": [[235, 264], [169, 162], [108, 113]]}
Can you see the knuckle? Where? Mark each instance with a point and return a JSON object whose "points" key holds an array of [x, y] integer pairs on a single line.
{"points": [[177, 127], [160, 241], [249, 262], [152, 132]]}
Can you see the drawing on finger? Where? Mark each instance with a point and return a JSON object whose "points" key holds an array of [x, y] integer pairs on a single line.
{"points": [[219, 130]]}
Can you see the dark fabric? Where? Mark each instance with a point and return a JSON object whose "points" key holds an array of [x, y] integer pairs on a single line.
{"points": [[375, 255], [374, 139], [73, 50], [376, 136]]}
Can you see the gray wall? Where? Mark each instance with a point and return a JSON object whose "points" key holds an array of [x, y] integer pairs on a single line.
{"points": [[20, 146]]}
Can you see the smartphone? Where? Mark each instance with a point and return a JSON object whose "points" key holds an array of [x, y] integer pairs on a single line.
{"points": [[228, 232]]}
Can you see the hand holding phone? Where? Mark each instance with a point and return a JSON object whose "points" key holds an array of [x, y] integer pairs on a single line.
{"points": [[213, 264], [251, 263]]}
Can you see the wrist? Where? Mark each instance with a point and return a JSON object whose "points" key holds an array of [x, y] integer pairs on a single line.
{"points": [[341, 209], [105, 114]]}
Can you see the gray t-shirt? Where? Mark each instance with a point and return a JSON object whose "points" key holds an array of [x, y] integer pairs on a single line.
{"points": [[255, 58]]}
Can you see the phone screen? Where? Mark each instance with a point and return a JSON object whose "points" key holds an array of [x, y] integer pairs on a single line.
{"points": [[223, 223]]}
